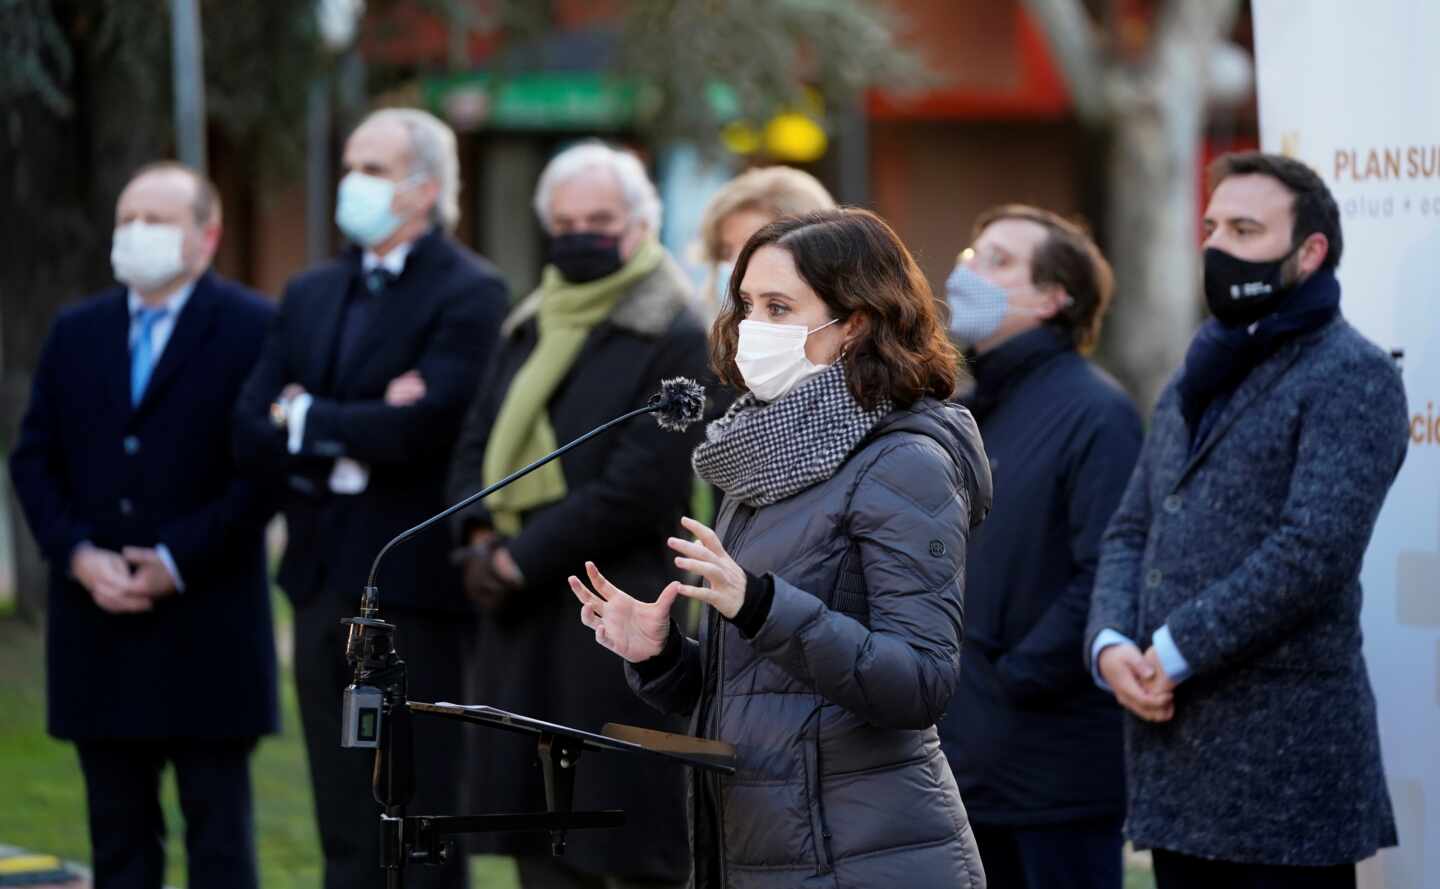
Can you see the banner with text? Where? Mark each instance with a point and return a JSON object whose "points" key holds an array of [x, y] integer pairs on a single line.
{"points": [[1351, 89]]}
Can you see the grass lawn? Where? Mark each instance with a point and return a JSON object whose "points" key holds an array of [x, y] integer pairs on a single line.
{"points": [[44, 797], [44, 807]]}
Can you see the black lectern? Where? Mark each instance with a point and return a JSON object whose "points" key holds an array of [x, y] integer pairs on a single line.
{"points": [[425, 839], [421, 838]]}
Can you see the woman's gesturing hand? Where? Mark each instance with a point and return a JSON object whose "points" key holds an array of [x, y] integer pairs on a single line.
{"points": [[633, 629], [706, 557]]}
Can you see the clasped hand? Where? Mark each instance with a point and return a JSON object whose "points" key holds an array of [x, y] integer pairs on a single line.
{"points": [[1139, 681], [636, 630], [125, 582]]}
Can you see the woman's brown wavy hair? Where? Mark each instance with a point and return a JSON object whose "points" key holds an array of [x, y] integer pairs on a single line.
{"points": [[856, 264]]}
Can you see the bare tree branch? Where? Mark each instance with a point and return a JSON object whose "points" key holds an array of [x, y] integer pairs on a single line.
{"points": [[1201, 21], [1071, 35]]}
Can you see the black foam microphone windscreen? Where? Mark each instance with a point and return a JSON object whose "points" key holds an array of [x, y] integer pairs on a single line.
{"points": [[682, 402]]}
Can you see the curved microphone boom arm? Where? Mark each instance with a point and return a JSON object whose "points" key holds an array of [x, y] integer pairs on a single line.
{"points": [[375, 710], [679, 403]]}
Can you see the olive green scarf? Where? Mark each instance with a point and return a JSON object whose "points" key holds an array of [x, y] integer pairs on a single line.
{"points": [[522, 432]]}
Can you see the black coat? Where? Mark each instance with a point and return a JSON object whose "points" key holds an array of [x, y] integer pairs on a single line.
{"points": [[441, 318], [89, 466], [627, 492], [1031, 738]]}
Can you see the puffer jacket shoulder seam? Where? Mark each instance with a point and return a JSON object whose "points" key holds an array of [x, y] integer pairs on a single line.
{"points": [[922, 444]]}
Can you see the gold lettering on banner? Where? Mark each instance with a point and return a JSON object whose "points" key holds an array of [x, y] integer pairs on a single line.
{"points": [[1390, 163], [1425, 428]]}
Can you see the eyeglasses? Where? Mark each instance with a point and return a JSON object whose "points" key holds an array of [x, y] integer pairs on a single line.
{"points": [[991, 260]]}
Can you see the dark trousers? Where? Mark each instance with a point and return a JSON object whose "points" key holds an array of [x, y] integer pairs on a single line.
{"points": [[127, 827], [1088, 855], [348, 816], [1176, 871]]}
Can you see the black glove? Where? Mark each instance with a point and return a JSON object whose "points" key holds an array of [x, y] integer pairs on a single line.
{"points": [[483, 585]]}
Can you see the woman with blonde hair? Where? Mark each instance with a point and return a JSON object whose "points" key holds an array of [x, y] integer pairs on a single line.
{"points": [[742, 207]]}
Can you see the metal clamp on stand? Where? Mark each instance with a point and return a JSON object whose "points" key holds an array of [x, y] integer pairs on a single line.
{"points": [[558, 757]]}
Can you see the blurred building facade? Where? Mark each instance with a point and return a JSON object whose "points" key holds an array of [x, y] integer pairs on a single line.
{"points": [[996, 127]]}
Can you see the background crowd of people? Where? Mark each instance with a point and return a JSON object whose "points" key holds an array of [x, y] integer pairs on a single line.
{"points": [[949, 609]]}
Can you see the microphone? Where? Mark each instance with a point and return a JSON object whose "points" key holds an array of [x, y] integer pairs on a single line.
{"points": [[679, 403], [378, 690]]}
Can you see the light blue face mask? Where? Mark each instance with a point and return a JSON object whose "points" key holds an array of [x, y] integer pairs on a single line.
{"points": [[364, 208], [976, 306]]}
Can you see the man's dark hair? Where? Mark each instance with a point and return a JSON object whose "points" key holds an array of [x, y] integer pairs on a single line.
{"points": [[1068, 258], [206, 203], [1314, 209]]}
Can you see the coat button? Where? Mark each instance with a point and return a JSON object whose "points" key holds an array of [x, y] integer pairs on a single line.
{"points": [[1172, 504], [1153, 579], [132, 445], [126, 506]]}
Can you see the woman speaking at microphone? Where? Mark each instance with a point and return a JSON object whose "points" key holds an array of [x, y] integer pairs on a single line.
{"points": [[834, 578]]}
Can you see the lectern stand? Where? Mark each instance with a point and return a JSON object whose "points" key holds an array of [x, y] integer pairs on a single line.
{"points": [[418, 837], [376, 709]]}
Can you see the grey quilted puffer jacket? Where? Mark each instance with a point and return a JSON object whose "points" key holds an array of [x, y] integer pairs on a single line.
{"points": [[832, 705]]}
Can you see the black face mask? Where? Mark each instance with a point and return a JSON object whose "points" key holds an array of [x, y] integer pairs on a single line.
{"points": [[585, 256], [1240, 292]]}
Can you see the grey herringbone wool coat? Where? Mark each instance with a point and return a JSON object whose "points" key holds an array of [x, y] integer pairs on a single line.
{"points": [[832, 705], [1250, 550]]}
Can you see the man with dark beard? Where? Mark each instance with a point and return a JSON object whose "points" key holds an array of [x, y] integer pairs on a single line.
{"points": [[1253, 755]]}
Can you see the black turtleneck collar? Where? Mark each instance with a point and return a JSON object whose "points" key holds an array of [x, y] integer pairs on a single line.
{"points": [[1000, 368]]}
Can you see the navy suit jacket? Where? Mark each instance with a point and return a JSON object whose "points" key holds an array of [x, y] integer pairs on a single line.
{"points": [[89, 466], [441, 317]]}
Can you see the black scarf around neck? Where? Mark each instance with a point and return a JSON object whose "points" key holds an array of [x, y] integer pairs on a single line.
{"points": [[1220, 357]]}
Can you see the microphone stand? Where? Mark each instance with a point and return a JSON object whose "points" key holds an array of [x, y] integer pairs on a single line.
{"points": [[378, 668]]}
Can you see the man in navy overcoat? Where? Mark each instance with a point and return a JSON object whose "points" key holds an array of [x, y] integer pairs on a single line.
{"points": [[158, 636]]}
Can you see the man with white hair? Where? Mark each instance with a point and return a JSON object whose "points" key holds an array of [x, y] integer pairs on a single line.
{"points": [[355, 405], [610, 319]]}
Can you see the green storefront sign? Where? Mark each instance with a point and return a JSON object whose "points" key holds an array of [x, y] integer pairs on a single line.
{"points": [[565, 100]]}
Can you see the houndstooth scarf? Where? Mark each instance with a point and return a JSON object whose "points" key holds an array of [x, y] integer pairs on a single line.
{"points": [[763, 453]]}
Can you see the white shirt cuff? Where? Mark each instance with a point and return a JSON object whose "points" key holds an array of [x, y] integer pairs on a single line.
{"points": [[295, 420], [163, 552], [1103, 640], [1176, 667], [349, 476]]}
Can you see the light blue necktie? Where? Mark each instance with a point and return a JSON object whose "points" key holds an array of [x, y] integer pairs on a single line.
{"points": [[142, 352]]}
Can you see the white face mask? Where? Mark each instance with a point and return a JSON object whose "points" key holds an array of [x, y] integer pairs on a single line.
{"points": [[771, 357], [147, 256]]}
